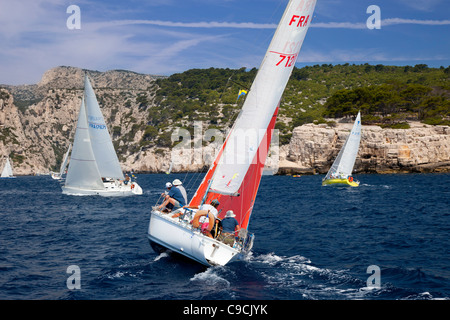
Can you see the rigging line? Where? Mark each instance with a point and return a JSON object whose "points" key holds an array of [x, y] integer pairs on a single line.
{"points": [[238, 83], [191, 184]]}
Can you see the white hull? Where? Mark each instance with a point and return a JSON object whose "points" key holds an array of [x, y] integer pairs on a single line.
{"points": [[111, 189], [56, 176], [179, 236]]}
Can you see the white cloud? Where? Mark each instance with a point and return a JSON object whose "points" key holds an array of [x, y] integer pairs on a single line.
{"points": [[251, 25], [394, 21], [203, 24]]}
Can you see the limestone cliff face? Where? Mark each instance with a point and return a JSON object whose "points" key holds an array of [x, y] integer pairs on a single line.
{"points": [[13, 141], [36, 135], [422, 148]]}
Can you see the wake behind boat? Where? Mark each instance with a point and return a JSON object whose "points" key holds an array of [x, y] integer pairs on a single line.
{"points": [[234, 177], [340, 173], [94, 168]]}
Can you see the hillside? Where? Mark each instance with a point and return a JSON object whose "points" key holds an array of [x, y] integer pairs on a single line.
{"points": [[313, 94], [142, 111]]}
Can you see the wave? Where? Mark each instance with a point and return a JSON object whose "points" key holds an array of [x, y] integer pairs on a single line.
{"points": [[211, 277], [295, 277]]}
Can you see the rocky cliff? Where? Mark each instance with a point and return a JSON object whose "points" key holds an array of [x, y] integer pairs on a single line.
{"points": [[37, 124], [422, 148]]}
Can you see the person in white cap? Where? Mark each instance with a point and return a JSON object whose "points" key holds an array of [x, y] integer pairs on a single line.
{"points": [[229, 227], [169, 206], [178, 184]]}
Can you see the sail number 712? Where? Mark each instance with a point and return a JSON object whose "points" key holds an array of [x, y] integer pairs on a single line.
{"points": [[286, 59]]}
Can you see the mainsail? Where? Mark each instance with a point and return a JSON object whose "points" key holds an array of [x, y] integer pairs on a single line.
{"points": [[83, 172], [7, 170], [344, 162], [235, 174], [64, 163], [105, 155]]}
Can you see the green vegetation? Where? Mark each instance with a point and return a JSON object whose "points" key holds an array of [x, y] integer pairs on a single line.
{"points": [[7, 136], [386, 95], [207, 95]]}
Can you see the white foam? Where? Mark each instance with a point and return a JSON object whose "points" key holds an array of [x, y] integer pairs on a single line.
{"points": [[211, 277], [162, 255]]}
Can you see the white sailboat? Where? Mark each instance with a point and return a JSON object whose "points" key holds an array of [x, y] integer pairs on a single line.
{"points": [[233, 178], [94, 168], [7, 170], [62, 169], [340, 173]]}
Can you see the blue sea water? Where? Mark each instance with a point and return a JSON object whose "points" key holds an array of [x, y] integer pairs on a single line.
{"points": [[312, 243]]}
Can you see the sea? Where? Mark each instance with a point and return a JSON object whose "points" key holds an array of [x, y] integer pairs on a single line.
{"points": [[385, 240]]}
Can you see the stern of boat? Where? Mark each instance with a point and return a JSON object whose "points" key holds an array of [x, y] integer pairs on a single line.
{"points": [[178, 235]]}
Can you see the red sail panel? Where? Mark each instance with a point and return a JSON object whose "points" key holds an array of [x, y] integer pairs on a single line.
{"points": [[241, 205]]}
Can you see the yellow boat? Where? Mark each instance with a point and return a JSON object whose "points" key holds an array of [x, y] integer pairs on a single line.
{"points": [[340, 173], [340, 182]]}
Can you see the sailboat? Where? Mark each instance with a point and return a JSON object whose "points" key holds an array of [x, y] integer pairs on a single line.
{"points": [[340, 173], [234, 176], [62, 169], [170, 168], [94, 168], [7, 170]]}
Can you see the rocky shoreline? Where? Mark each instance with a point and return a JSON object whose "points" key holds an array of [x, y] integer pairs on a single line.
{"points": [[421, 148]]}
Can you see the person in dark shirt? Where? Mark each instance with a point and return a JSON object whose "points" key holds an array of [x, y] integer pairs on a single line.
{"points": [[229, 226], [174, 197], [178, 184]]}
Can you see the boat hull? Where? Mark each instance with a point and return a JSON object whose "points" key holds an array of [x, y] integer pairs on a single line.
{"points": [[110, 190], [340, 182], [178, 235]]}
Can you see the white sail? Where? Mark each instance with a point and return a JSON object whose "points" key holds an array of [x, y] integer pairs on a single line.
{"points": [[105, 155], [343, 165], [83, 172], [263, 97], [7, 170], [64, 163]]}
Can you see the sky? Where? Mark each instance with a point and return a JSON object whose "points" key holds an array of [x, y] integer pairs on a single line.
{"points": [[162, 37]]}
